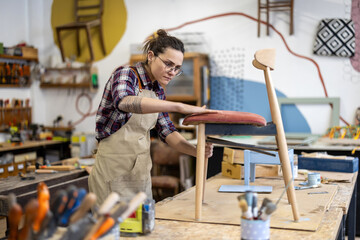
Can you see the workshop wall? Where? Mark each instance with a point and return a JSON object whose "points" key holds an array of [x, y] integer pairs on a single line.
{"points": [[30, 21]]}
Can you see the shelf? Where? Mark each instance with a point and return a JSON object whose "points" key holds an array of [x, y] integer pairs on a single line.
{"points": [[65, 85], [68, 69], [66, 129], [14, 86], [4, 56]]}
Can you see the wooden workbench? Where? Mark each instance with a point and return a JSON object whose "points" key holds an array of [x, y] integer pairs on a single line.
{"points": [[27, 189], [330, 226]]}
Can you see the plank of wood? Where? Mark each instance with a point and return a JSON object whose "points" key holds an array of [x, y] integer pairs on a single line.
{"points": [[223, 207], [57, 168]]}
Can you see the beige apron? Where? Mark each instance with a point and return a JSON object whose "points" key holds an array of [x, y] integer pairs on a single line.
{"points": [[123, 161]]}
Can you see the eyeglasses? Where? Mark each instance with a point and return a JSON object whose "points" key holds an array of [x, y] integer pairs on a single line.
{"points": [[170, 67]]}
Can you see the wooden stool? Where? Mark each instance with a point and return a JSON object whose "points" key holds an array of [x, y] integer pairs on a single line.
{"points": [[239, 123]]}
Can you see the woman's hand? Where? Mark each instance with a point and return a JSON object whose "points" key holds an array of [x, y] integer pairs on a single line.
{"points": [[209, 150], [191, 109]]}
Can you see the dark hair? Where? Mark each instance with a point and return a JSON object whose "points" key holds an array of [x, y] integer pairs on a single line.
{"points": [[159, 41]]}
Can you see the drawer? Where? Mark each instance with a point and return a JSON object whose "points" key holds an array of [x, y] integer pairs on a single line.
{"points": [[24, 157], [232, 170]]}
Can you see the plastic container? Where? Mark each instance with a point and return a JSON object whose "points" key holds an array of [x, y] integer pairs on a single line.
{"points": [[255, 229]]}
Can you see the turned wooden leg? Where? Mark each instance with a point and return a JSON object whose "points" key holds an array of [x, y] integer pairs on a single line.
{"points": [[200, 166]]}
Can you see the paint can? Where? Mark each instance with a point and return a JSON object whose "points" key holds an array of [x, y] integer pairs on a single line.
{"points": [[255, 229], [314, 179]]}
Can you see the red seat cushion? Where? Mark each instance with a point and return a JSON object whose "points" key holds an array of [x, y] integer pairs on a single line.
{"points": [[230, 117]]}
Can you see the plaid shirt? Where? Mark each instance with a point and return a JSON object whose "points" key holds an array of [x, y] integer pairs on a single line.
{"points": [[123, 82]]}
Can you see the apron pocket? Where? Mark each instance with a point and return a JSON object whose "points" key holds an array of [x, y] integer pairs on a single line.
{"points": [[142, 166]]}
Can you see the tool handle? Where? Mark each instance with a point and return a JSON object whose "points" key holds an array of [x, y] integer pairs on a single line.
{"points": [[109, 203], [86, 204], [105, 227], [31, 209], [43, 198], [133, 204], [14, 220], [45, 171]]}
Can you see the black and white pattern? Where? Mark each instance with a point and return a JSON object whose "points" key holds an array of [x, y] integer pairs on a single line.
{"points": [[335, 37]]}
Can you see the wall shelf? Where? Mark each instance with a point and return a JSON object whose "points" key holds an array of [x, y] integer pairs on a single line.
{"points": [[9, 57], [69, 77]]}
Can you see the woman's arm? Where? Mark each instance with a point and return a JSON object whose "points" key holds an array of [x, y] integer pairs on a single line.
{"points": [[136, 104], [179, 143]]}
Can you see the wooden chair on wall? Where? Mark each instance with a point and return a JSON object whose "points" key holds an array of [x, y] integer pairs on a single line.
{"points": [[275, 6], [87, 16], [242, 123]]}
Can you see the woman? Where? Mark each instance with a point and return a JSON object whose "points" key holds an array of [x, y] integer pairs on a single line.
{"points": [[133, 103]]}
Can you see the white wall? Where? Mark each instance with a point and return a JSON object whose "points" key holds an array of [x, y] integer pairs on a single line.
{"points": [[30, 21]]}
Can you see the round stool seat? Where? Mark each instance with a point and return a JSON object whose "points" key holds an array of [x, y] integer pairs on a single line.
{"points": [[229, 117]]}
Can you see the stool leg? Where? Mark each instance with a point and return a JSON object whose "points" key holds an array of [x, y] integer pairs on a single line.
{"points": [[90, 44], [200, 166], [60, 44], [205, 177], [102, 42], [292, 17], [267, 17], [78, 42], [246, 167], [259, 17], [252, 172]]}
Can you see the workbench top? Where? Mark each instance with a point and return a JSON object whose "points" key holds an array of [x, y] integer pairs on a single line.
{"points": [[328, 228]]}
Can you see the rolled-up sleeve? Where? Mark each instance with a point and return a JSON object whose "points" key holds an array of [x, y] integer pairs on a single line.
{"points": [[122, 85], [164, 126]]}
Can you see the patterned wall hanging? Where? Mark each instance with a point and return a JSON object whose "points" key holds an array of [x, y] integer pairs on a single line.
{"points": [[335, 37], [355, 16]]}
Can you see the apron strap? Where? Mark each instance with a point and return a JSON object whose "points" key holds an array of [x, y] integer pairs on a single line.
{"points": [[138, 77]]}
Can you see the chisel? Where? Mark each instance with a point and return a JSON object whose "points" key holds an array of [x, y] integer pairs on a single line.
{"points": [[105, 208]]}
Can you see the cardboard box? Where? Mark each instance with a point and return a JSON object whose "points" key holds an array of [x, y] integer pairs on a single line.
{"points": [[232, 170], [348, 165], [29, 52], [233, 156], [236, 171]]}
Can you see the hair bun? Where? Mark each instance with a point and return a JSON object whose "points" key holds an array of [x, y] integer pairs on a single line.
{"points": [[161, 33]]}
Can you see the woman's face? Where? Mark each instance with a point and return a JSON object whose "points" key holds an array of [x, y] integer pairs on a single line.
{"points": [[165, 66]]}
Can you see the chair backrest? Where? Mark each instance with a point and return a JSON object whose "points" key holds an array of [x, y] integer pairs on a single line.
{"points": [[86, 10]]}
